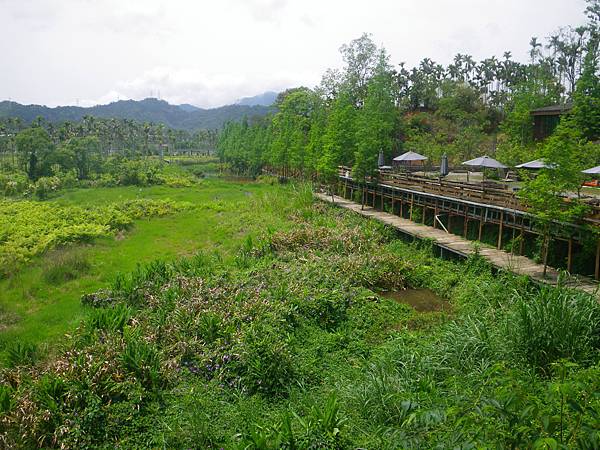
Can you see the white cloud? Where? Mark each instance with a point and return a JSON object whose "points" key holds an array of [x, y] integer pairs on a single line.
{"points": [[213, 52], [197, 87]]}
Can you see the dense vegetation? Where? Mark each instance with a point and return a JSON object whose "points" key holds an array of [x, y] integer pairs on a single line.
{"points": [[465, 109], [42, 159], [180, 117], [145, 306], [289, 342], [30, 228]]}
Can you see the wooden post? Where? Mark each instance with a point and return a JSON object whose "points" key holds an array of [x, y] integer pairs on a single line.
{"points": [[597, 271], [522, 237], [481, 226], [570, 255], [423, 212], [412, 200], [401, 209], [500, 230], [435, 214], [393, 208], [466, 223]]}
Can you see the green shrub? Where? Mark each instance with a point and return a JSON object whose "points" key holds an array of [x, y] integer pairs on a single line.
{"points": [[142, 360], [6, 401], [554, 324], [265, 364], [65, 266], [13, 183], [109, 319], [45, 186], [21, 354]]}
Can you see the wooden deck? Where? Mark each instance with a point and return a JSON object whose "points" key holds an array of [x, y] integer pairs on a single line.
{"points": [[502, 260]]}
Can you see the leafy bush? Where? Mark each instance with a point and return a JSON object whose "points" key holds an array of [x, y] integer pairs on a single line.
{"points": [[265, 364], [21, 354], [13, 183], [29, 228], [554, 324], [109, 319], [143, 361], [45, 186]]}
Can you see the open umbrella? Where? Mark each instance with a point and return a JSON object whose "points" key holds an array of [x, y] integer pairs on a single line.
{"points": [[592, 171], [486, 162], [536, 164], [409, 157]]}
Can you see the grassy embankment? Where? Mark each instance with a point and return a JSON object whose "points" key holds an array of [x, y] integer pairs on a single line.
{"points": [[277, 335]]}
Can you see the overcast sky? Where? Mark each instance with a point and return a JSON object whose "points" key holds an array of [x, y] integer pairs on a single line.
{"points": [[210, 53]]}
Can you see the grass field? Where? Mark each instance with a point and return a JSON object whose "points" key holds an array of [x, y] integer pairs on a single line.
{"points": [[262, 319], [34, 309]]}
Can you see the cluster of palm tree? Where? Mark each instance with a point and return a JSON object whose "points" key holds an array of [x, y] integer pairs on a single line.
{"points": [[554, 66], [116, 136]]}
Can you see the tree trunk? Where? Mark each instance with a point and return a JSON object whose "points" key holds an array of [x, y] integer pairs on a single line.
{"points": [[362, 202], [546, 246]]}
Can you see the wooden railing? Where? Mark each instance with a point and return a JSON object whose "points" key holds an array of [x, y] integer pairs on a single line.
{"points": [[490, 192]]}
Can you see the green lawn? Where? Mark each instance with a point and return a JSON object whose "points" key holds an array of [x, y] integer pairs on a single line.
{"points": [[34, 310]]}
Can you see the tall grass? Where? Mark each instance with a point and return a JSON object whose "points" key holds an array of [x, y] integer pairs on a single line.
{"points": [[65, 265], [554, 324]]}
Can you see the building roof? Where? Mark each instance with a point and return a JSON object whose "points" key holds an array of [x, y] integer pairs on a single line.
{"points": [[552, 110]]}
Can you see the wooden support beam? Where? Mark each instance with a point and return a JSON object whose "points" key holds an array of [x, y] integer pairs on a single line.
{"points": [[570, 256], [597, 271], [466, 223], [500, 230], [412, 200], [522, 237], [481, 226]]}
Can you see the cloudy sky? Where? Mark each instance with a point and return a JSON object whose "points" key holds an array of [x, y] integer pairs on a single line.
{"points": [[210, 53]]}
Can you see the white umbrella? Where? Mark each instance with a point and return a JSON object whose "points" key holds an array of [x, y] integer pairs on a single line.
{"points": [[593, 170], [536, 164], [485, 161], [410, 156]]}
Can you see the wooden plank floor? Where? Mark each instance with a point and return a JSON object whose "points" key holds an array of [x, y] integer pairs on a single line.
{"points": [[517, 264]]}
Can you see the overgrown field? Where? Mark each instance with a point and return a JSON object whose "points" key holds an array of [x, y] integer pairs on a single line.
{"points": [[288, 343], [39, 299]]}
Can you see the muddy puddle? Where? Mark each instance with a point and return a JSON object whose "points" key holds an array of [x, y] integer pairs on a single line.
{"points": [[422, 300]]}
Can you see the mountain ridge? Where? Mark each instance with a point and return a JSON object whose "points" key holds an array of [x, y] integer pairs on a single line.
{"points": [[185, 117]]}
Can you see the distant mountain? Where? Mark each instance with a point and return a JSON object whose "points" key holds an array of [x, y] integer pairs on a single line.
{"points": [[189, 108], [264, 99], [185, 117]]}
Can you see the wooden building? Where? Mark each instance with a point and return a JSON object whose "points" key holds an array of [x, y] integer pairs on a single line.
{"points": [[547, 118]]}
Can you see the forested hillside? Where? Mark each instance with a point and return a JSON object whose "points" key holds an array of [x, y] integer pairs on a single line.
{"points": [[465, 109], [184, 117]]}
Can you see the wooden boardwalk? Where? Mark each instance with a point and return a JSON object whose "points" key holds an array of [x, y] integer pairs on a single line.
{"points": [[520, 265]]}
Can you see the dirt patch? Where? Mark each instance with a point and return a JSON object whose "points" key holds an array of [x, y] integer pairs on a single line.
{"points": [[421, 300]]}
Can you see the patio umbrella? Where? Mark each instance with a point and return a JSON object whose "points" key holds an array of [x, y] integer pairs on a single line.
{"points": [[444, 166], [536, 164], [486, 162], [593, 170], [409, 157], [380, 159]]}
